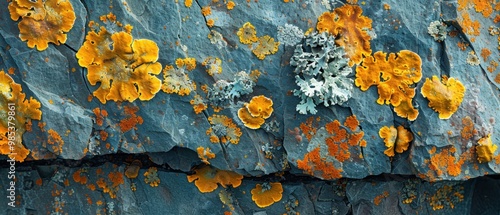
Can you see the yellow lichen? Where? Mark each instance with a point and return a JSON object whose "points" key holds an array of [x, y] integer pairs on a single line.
{"points": [[223, 130], [267, 194], [43, 22], [126, 68], [206, 178], [394, 77], [396, 140], [230, 5], [266, 46], [213, 65], [444, 96], [247, 34], [204, 154], [351, 29], [16, 112], [485, 149]]}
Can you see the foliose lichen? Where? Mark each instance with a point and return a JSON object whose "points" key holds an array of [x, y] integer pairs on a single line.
{"points": [[322, 73]]}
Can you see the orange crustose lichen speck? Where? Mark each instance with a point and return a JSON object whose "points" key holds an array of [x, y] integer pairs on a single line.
{"points": [[206, 178], [17, 110]]}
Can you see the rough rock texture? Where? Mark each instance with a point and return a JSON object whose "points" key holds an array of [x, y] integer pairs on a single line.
{"points": [[165, 132]]}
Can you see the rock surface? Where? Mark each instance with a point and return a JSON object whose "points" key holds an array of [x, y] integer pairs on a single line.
{"points": [[166, 133]]}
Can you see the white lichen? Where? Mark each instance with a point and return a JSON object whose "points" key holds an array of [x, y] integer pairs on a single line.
{"points": [[290, 35], [472, 59], [437, 30]]}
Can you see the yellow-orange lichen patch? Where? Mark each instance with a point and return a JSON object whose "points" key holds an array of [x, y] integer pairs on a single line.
{"points": [[126, 68], [198, 104], [176, 80], [444, 96], [470, 27], [206, 178], [485, 53], [111, 184], [313, 163], [308, 128], [80, 177], [230, 5], [485, 149], [188, 3], [99, 115], [206, 10], [267, 194], [266, 46], [204, 154], [223, 130], [213, 65], [55, 141], [254, 113], [16, 112], [446, 162], [43, 22], [396, 140], [132, 170], [394, 77], [132, 119], [247, 34], [378, 199], [468, 130], [351, 29]]}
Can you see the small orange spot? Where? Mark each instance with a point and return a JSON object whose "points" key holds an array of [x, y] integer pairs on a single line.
{"points": [[210, 23]]}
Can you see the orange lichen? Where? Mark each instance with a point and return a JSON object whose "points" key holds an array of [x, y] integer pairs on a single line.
{"points": [[204, 154], [396, 140], [110, 185], [470, 27], [132, 119], [247, 34], [378, 199], [99, 115], [55, 141], [188, 3], [223, 130], [394, 77], [254, 113], [468, 130], [446, 162], [350, 28], [339, 143], [485, 149], [308, 128], [43, 22], [198, 104], [266, 46], [267, 194], [446, 195], [444, 96], [151, 177], [132, 170], [230, 5], [485, 53], [210, 23], [176, 80], [126, 68], [17, 111], [206, 178], [206, 11]]}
